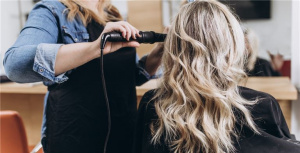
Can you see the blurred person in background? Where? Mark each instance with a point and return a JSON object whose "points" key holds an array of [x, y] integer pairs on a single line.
{"points": [[257, 66]]}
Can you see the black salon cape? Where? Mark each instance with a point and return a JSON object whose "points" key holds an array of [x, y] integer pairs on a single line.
{"points": [[275, 136]]}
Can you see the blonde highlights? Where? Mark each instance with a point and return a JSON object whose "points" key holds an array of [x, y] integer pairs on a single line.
{"points": [[199, 96], [106, 11]]}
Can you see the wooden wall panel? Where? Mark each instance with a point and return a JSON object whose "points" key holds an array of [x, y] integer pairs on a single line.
{"points": [[145, 15], [30, 108]]}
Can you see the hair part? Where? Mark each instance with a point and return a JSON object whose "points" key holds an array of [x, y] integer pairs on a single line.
{"points": [[107, 11], [198, 97]]}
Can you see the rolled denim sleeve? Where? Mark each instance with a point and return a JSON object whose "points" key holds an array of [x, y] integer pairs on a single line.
{"points": [[142, 75], [32, 57], [44, 62]]}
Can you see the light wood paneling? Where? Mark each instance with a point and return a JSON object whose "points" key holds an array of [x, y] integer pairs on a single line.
{"points": [[27, 88], [30, 108], [286, 107], [145, 15], [279, 87]]}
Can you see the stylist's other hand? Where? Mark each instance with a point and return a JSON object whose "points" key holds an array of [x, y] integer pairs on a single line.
{"points": [[159, 48], [154, 58], [127, 31], [160, 45], [276, 61]]}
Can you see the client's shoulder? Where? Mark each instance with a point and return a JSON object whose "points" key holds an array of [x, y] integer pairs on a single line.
{"points": [[251, 94], [146, 105], [148, 96], [265, 103]]}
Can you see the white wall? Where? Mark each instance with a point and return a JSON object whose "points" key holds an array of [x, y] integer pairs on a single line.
{"points": [[274, 33], [11, 23], [122, 7], [296, 67], [9, 26]]}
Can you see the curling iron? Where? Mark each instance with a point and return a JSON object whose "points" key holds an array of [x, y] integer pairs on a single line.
{"points": [[147, 37]]}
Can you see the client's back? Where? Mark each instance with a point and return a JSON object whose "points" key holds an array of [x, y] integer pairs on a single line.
{"points": [[199, 106]]}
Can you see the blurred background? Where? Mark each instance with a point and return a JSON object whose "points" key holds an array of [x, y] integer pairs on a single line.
{"points": [[275, 22]]}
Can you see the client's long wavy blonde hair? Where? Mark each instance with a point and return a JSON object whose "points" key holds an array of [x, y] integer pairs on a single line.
{"points": [[203, 64], [107, 11]]}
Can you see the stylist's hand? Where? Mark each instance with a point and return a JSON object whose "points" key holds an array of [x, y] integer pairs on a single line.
{"points": [[276, 61], [127, 31], [154, 58], [160, 46]]}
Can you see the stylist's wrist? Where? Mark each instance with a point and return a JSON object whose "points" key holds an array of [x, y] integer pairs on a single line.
{"points": [[95, 48], [158, 50]]}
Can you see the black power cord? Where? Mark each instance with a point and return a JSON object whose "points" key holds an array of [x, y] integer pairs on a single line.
{"points": [[146, 37], [106, 101]]}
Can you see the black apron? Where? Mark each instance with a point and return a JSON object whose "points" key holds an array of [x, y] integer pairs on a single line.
{"points": [[76, 109]]}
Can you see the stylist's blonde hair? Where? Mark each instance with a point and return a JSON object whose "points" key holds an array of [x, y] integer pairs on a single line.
{"points": [[198, 98], [107, 11]]}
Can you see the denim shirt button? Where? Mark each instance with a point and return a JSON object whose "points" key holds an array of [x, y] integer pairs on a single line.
{"points": [[41, 70], [76, 39]]}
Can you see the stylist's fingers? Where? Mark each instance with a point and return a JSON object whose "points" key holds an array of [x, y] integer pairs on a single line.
{"points": [[131, 32], [167, 28], [160, 45], [123, 31], [115, 26], [138, 33], [269, 53], [128, 31], [124, 27], [135, 32]]}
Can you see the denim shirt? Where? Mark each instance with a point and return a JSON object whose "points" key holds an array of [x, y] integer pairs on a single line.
{"points": [[32, 57]]}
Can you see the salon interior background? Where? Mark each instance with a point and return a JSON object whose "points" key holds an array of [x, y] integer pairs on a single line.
{"points": [[275, 34], [270, 31]]}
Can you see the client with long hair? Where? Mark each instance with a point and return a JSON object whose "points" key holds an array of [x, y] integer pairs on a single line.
{"points": [[199, 105]]}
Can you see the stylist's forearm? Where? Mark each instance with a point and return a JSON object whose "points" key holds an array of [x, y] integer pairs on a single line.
{"points": [[154, 59], [73, 55]]}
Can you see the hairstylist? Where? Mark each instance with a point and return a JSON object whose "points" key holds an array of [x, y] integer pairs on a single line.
{"points": [[59, 45]]}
